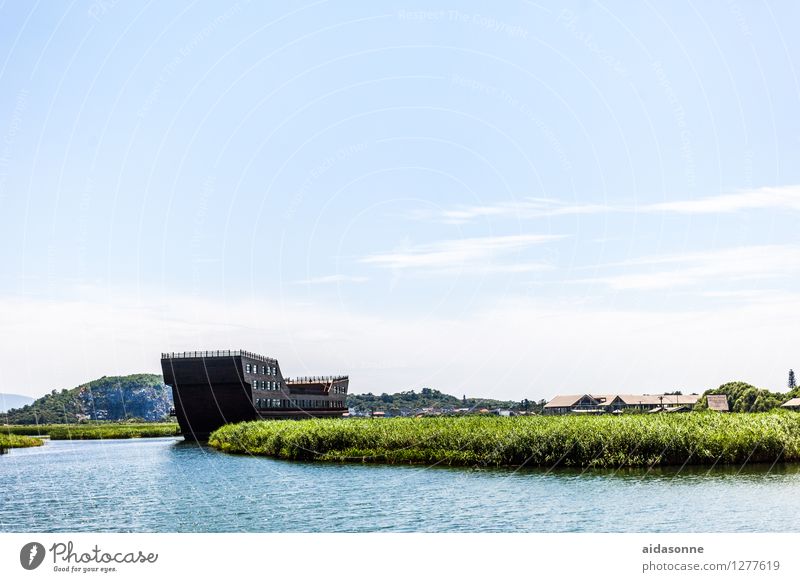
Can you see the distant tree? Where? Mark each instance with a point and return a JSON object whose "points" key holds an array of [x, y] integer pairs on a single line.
{"points": [[464, 399], [791, 382], [743, 397]]}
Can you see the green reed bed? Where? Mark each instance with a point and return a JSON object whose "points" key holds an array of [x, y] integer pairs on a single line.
{"points": [[94, 431], [603, 441], [12, 441]]}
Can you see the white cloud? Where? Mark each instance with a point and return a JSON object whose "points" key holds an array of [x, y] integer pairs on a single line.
{"points": [[512, 268], [327, 279], [465, 254], [524, 208], [696, 268], [786, 197], [780, 197]]}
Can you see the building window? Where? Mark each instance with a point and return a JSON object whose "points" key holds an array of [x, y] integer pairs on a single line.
{"points": [[247, 368]]}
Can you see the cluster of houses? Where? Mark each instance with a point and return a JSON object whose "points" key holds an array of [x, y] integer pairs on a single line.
{"points": [[617, 403], [580, 404]]}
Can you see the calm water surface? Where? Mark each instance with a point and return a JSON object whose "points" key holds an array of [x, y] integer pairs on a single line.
{"points": [[167, 485]]}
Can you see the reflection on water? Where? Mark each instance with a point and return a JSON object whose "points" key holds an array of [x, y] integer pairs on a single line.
{"points": [[168, 485]]}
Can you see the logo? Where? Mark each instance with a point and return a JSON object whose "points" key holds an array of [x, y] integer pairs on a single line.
{"points": [[31, 555]]}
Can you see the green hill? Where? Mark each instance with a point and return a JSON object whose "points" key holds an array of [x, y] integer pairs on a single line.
{"points": [[140, 396]]}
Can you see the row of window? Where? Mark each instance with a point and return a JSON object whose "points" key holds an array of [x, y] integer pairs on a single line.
{"points": [[302, 403], [339, 390], [271, 370], [266, 385]]}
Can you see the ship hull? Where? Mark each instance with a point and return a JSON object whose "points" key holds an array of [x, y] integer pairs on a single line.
{"points": [[211, 389]]}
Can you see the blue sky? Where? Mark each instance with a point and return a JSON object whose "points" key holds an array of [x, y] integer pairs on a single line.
{"points": [[511, 201]]}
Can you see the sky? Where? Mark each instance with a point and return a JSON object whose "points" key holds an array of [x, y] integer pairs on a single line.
{"points": [[513, 200]]}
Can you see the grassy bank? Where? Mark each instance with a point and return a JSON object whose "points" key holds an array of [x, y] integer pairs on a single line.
{"points": [[12, 441], [94, 431], [606, 441]]}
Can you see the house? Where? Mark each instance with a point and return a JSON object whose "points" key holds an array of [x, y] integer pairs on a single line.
{"points": [[793, 404], [572, 403], [664, 402], [616, 403]]}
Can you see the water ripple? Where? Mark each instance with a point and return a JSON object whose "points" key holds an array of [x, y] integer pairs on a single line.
{"points": [[167, 485]]}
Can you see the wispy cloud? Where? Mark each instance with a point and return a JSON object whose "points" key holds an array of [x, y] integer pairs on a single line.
{"points": [[524, 208], [513, 268], [780, 197], [467, 253], [787, 197], [695, 268], [328, 279]]}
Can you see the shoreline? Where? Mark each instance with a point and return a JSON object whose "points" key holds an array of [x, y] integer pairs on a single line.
{"points": [[11, 441], [111, 430]]}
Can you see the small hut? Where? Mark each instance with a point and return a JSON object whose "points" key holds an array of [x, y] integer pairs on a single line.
{"points": [[718, 402], [793, 404]]}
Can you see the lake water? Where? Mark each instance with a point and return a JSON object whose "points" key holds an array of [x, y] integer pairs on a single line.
{"points": [[167, 485]]}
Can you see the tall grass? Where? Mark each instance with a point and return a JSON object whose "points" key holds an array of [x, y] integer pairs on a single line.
{"points": [[11, 441], [94, 431], [606, 441]]}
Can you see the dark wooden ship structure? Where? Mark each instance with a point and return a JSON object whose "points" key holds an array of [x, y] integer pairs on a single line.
{"points": [[214, 388]]}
